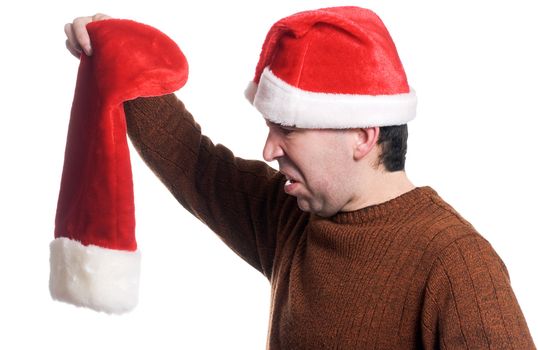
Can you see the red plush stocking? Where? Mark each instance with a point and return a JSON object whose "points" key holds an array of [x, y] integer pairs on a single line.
{"points": [[94, 258]]}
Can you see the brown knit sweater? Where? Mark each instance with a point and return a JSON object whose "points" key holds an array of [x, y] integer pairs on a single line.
{"points": [[409, 273]]}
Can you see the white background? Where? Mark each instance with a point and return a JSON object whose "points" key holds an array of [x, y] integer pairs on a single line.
{"points": [[472, 63]]}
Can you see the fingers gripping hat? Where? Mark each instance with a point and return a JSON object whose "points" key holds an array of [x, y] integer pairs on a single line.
{"points": [[331, 68], [94, 257]]}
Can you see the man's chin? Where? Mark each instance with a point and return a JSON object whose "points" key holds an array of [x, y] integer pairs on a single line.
{"points": [[309, 207], [304, 205]]}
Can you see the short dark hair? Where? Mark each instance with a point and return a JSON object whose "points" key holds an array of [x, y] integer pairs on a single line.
{"points": [[393, 142]]}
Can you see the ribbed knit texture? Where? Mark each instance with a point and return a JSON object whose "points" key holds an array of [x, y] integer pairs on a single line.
{"points": [[409, 273]]}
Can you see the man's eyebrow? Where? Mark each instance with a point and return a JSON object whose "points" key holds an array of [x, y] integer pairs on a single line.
{"points": [[270, 123]]}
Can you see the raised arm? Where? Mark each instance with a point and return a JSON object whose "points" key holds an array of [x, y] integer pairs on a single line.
{"points": [[241, 200]]}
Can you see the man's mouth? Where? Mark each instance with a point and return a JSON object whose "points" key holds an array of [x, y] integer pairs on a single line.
{"points": [[289, 179], [289, 182], [290, 185]]}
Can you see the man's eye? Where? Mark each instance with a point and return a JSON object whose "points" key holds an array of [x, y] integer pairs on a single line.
{"points": [[286, 130], [283, 129]]}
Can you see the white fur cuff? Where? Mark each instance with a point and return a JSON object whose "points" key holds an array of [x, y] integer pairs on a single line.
{"points": [[95, 277]]}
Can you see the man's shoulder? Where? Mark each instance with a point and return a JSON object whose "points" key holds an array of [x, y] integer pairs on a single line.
{"points": [[450, 246], [443, 227]]}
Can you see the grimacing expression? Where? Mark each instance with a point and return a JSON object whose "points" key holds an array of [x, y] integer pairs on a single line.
{"points": [[317, 164]]}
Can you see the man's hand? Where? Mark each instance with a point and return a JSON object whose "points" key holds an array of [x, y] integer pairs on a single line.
{"points": [[78, 39]]}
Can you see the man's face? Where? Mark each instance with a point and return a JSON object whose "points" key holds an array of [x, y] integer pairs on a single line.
{"points": [[316, 162]]}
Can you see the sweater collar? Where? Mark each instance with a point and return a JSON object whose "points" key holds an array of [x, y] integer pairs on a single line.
{"points": [[390, 211]]}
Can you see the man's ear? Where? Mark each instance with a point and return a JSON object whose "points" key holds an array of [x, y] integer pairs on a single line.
{"points": [[364, 141]]}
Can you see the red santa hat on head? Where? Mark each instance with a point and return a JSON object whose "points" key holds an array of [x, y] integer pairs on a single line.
{"points": [[94, 257], [331, 68]]}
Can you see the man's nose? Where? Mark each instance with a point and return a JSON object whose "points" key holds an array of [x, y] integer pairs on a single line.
{"points": [[272, 149]]}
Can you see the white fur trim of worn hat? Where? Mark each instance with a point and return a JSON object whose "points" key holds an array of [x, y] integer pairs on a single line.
{"points": [[282, 103]]}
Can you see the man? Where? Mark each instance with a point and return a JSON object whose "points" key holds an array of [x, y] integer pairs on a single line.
{"points": [[357, 256]]}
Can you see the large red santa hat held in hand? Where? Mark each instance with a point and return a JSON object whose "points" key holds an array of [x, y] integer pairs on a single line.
{"points": [[94, 257]]}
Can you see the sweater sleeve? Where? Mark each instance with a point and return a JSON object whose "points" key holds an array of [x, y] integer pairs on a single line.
{"points": [[240, 200], [469, 303]]}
